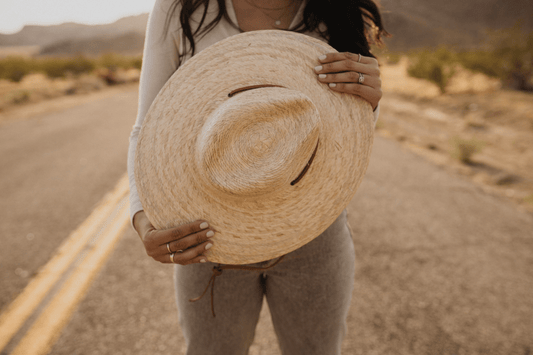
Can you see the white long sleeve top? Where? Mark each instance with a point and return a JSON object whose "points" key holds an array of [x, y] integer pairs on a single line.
{"points": [[160, 61]]}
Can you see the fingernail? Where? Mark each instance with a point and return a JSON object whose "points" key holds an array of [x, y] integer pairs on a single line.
{"points": [[204, 225], [322, 57], [322, 76], [208, 246], [318, 68], [202, 260], [210, 234], [332, 85]]}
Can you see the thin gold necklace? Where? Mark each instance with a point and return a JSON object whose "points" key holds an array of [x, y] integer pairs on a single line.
{"points": [[277, 20]]}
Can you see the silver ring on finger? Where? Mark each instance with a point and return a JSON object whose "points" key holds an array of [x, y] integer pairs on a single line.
{"points": [[359, 59], [168, 248], [361, 78], [172, 258]]}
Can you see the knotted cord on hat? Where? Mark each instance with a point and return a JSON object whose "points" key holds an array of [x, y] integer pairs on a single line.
{"points": [[217, 271]]}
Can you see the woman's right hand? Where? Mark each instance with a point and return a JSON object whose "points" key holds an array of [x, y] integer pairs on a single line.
{"points": [[187, 242]]}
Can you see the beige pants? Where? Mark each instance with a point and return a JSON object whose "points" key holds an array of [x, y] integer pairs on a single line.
{"points": [[308, 294]]}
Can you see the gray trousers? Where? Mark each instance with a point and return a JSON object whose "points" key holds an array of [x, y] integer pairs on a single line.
{"points": [[308, 294]]}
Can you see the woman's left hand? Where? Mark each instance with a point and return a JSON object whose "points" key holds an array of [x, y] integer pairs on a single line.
{"points": [[341, 71]]}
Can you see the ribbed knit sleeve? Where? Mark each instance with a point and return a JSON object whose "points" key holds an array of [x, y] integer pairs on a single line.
{"points": [[160, 61]]}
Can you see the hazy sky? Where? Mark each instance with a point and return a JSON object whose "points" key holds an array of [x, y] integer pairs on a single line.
{"points": [[14, 14]]}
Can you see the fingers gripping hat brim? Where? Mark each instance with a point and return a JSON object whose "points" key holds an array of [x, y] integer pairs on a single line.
{"points": [[172, 187]]}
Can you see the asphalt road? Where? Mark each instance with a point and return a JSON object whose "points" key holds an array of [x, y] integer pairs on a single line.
{"points": [[54, 169], [442, 267]]}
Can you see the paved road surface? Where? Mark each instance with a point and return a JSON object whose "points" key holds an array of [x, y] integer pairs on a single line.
{"points": [[443, 268], [54, 170]]}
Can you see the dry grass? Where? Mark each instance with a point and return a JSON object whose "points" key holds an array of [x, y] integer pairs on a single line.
{"points": [[37, 87], [464, 149]]}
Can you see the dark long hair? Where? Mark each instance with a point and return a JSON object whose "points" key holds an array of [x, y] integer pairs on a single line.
{"points": [[351, 25]]}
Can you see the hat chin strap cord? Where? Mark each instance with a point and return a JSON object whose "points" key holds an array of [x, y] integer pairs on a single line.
{"points": [[217, 271]]}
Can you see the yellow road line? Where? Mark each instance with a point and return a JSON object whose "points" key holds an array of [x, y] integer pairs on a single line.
{"points": [[44, 332], [24, 305]]}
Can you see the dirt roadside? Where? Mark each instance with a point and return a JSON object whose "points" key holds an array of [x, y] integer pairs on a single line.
{"points": [[32, 109], [495, 125]]}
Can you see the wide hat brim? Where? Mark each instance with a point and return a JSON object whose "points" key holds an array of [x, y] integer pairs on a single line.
{"points": [[250, 229]]}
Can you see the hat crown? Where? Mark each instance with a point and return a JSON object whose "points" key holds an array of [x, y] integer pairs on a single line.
{"points": [[258, 141], [173, 173]]}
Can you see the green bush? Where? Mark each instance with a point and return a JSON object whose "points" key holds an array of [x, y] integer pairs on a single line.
{"points": [[483, 62], [113, 61], [80, 65], [21, 97], [436, 66], [508, 55], [136, 63], [15, 68], [60, 67]]}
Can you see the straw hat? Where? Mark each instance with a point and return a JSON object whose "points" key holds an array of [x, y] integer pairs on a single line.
{"points": [[244, 136]]}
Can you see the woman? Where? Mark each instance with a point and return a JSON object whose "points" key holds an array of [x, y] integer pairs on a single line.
{"points": [[308, 292]]}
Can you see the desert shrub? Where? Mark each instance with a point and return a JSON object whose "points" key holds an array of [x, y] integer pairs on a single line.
{"points": [[21, 97], [53, 67], [113, 61], [15, 68], [482, 61], [436, 66], [80, 65], [60, 67], [464, 149], [508, 55], [136, 63], [514, 48]]}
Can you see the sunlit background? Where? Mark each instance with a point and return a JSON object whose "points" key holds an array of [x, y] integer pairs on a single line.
{"points": [[435, 277], [14, 14]]}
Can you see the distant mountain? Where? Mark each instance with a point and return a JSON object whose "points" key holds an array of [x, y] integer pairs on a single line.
{"points": [[413, 23], [46, 35], [130, 43], [463, 23]]}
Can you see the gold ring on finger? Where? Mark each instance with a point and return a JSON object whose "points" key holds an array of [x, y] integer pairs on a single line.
{"points": [[168, 248], [361, 78], [172, 258]]}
